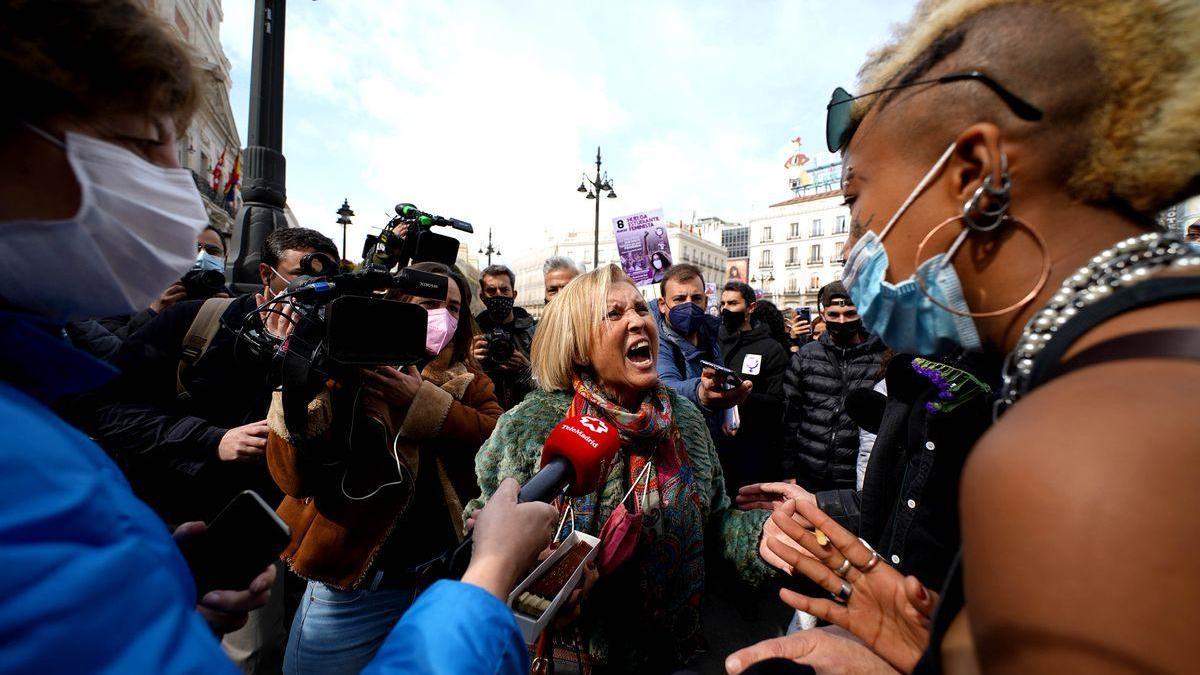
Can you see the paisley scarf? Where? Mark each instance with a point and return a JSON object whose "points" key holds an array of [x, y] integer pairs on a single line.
{"points": [[670, 553]]}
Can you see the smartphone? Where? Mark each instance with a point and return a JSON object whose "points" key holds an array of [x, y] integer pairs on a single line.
{"points": [[245, 537], [726, 378], [804, 314]]}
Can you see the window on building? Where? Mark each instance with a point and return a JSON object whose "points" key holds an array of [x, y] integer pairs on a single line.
{"points": [[793, 255], [841, 225], [839, 252], [814, 283], [766, 233], [816, 227], [793, 284], [794, 231], [814, 255], [765, 261]]}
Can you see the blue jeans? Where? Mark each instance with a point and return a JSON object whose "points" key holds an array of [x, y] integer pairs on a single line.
{"points": [[339, 631]]}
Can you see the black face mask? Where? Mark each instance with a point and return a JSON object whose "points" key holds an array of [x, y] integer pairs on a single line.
{"points": [[842, 333], [498, 307], [732, 320]]}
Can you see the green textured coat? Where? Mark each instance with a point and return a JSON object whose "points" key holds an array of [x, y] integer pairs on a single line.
{"points": [[514, 450]]}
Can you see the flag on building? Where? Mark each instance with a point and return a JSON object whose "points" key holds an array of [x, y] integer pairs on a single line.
{"points": [[216, 173], [235, 174]]}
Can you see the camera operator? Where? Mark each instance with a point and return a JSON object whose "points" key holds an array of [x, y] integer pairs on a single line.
{"points": [[103, 337], [187, 419], [506, 336], [96, 217], [364, 525]]}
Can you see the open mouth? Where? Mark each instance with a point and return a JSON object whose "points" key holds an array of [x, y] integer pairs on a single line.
{"points": [[639, 354]]}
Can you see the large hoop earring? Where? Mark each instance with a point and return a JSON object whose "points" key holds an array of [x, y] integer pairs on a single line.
{"points": [[949, 260]]}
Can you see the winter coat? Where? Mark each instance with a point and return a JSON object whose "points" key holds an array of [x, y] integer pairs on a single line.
{"points": [[92, 581], [908, 506], [754, 454], [515, 450], [679, 363], [511, 386], [337, 540], [167, 445], [822, 440]]}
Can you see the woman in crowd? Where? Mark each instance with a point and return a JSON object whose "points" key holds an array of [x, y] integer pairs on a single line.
{"points": [[1039, 165], [360, 533], [767, 313], [595, 353]]}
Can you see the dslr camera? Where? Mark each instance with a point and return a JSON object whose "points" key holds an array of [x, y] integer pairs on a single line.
{"points": [[500, 345]]}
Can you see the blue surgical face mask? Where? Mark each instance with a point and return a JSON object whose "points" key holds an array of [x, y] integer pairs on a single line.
{"points": [[208, 261], [900, 314], [686, 318]]}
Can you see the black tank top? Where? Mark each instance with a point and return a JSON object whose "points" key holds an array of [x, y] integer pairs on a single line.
{"points": [[1174, 343]]}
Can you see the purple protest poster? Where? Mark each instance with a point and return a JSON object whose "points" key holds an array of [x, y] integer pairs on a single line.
{"points": [[643, 246]]}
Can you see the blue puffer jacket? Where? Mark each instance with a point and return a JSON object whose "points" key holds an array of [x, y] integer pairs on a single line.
{"points": [[679, 364], [91, 581]]}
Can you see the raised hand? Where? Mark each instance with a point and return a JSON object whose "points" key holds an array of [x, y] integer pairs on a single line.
{"points": [[770, 495], [889, 612]]}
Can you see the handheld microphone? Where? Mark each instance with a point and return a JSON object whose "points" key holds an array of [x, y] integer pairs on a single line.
{"points": [[572, 458]]}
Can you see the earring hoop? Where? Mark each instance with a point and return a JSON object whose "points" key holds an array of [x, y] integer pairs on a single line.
{"points": [[949, 260]]}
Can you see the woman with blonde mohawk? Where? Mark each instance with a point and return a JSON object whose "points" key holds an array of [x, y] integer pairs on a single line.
{"points": [[1003, 169]]}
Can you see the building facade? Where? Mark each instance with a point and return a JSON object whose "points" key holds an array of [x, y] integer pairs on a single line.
{"points": [[694, 243], [795, 248], [213, 131]]}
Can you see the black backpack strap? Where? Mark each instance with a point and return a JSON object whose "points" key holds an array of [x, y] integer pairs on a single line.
{"points": [[1169, 343], [1146, 294]]}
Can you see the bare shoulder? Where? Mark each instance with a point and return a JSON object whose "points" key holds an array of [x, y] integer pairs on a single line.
{"points": [[1079, 508]]}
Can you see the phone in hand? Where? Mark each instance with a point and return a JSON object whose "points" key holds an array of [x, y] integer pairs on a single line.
{"points": [[804, 314], [245, 537], [726, 379]]}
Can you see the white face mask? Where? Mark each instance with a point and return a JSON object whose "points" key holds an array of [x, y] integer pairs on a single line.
{"points": [[134, 234]]}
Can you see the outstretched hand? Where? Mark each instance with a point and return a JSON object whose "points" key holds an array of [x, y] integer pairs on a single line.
{"points": [[770, 495], [508, 537], [889, 612], [821, 649]]}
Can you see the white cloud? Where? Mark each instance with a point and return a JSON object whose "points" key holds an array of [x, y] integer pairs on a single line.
{"points": [[490, 111]]}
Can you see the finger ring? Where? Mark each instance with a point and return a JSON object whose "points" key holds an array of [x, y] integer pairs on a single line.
{"points": [[870, 564], [843, 568], [844, 593]]}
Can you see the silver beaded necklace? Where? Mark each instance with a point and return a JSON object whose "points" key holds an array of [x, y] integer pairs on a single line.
{"points": [[1128, 263]]}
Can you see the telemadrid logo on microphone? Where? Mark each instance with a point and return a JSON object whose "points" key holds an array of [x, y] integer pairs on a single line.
{"points": [[596, 424]]}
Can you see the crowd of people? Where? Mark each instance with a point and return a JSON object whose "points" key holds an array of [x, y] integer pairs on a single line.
{"points": [[980, 459]]}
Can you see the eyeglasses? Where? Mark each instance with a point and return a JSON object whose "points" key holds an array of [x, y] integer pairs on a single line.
{"points": [[838, 129]]}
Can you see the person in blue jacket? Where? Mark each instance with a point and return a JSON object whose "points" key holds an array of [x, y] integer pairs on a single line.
{"points": [[687, 336], [96, 217]]}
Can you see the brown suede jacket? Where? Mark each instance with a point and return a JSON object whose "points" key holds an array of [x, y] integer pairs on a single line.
{"points": [[335, 540]]}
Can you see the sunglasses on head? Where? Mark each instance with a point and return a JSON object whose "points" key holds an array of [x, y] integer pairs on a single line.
{"points": [[838, 128]]}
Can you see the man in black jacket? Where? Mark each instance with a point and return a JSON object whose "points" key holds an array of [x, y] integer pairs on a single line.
{"points": [[187, 454], [506, 336], [751, 452], [821, 451]]}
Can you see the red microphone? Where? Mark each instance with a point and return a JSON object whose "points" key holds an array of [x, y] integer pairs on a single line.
{"points": [[572, 457]]}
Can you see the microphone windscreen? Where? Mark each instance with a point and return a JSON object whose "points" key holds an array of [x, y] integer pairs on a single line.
{"points": [[586, 442]]}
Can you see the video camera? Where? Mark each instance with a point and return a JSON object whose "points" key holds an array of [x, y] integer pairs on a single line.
{"points": [[344, 320], [387, 249]]}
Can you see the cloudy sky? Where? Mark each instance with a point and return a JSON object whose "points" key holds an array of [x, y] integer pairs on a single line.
{"points": [[490, 111]]}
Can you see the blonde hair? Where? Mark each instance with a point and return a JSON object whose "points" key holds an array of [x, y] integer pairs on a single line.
{"points": [[1142, 144], [562, 344]]}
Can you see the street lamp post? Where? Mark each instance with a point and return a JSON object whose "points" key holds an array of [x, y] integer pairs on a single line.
{"points": [[593, 188], [490, 250], [344, 214]]}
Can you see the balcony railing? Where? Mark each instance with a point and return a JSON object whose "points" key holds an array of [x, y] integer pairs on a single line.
{"points": [[765, 263], [814, 261], [792, 263]]}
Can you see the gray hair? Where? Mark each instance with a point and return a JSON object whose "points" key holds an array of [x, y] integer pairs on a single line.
{"points": [[560, 262]]}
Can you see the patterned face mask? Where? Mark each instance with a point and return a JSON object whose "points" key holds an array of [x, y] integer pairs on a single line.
{"points": [[620, 534]]}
